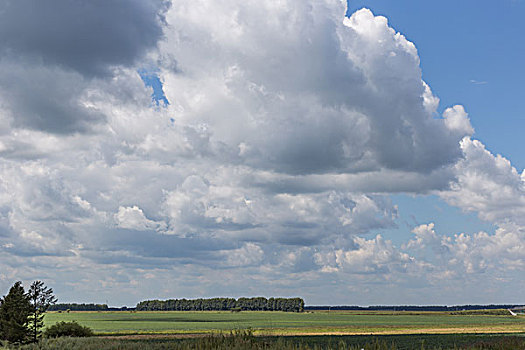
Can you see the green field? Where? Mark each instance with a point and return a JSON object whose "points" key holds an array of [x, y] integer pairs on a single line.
{"points": [[281, 323]]}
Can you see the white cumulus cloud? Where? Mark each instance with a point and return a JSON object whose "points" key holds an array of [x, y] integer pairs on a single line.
{"points": [[288, 127]]}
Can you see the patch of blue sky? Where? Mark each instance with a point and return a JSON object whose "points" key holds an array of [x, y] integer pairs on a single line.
{"points": [[422, 210], [472, 53], [151, 79]]}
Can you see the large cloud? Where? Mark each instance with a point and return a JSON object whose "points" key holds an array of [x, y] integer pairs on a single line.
{"points": [[287, 129], [305, 92]]}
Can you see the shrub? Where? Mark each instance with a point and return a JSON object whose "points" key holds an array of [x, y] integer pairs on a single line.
{"points": [[67, 329]]}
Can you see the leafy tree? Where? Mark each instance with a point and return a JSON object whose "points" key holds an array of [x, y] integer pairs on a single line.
{"points": [[15, 309], [40, 298]]}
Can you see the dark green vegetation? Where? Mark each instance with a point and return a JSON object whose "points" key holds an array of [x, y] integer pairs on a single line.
{"points": [[222, 304], [15, 310], [418, 308], [245, 340], [22, 314], [78, 307], [67, 329], [278, 323]]}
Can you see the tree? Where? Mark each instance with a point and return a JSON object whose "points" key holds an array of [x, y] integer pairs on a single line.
{"points": [[15, 309], [40, 298]]}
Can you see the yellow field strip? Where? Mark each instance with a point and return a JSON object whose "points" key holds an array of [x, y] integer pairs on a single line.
{"points": [[394, 331]]}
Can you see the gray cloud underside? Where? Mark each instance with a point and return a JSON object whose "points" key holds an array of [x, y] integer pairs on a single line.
{"points": [[87, 37], [52, 54]]}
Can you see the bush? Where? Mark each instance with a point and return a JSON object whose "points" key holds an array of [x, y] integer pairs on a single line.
{"points": [[67, 329]]}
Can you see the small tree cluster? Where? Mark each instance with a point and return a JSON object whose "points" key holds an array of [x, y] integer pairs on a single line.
{"points": [[22, 313]]}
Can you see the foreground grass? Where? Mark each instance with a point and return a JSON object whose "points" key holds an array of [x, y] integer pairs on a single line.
{"points": [[281, 323], [245, 340]]}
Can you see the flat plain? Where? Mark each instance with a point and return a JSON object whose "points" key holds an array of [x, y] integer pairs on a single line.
{"points": [[184, 323]]}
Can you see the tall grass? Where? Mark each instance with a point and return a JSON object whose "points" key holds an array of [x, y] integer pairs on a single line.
{"points": [[244, 340]]}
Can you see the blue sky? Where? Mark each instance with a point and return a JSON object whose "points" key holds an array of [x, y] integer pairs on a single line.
{"points": [[199, 149], [151, 79]]}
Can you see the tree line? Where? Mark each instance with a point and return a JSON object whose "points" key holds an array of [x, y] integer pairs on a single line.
{"points": [[22, 313], [414, 307], [78, 307], [224, 304]]}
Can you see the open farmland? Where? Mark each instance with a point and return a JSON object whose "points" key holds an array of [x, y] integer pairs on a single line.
{"points": [[281, 323]]}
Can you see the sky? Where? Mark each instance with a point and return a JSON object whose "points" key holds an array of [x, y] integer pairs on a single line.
{"points": [[314, 148]]}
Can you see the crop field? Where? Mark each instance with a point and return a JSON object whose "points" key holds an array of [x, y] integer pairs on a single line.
{"points": [[281, 323]]}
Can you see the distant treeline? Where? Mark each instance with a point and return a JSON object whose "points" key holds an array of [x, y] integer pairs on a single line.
{"points": [[79, 307], [261, 304], [219, 304], [87, 307], [414, 308]]}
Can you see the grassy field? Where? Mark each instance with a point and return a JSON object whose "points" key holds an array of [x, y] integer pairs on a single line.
{"points": [[280, 323]]}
